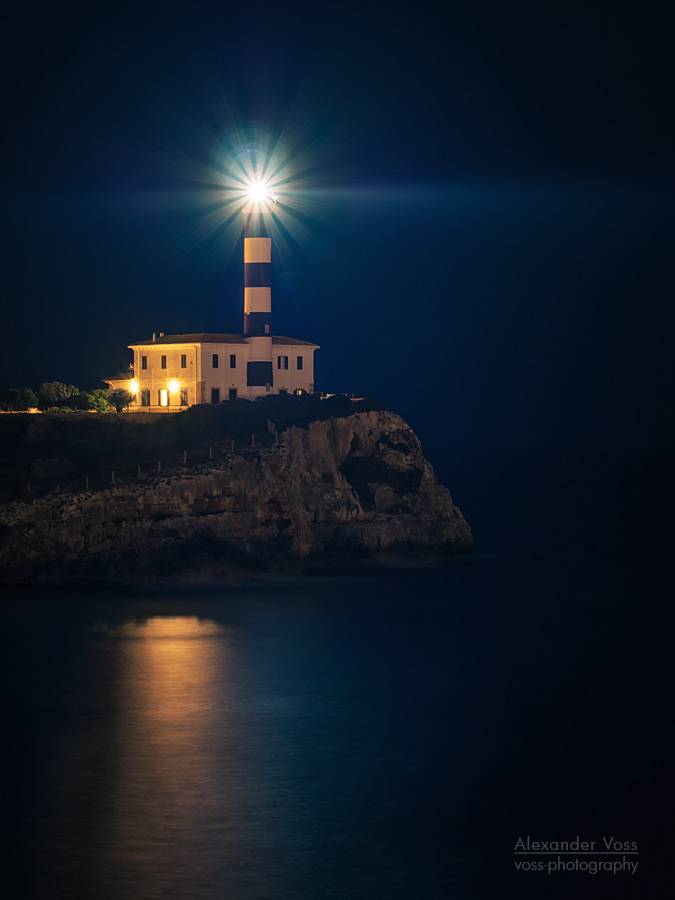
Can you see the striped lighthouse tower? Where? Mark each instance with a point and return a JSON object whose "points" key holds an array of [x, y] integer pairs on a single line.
{"points": [[258, 294]]}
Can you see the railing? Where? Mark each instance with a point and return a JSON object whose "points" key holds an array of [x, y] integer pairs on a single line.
{"points": [[125, 472]]}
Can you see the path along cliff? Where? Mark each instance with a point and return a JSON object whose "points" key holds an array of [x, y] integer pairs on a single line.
{"points": [[340, 488]]}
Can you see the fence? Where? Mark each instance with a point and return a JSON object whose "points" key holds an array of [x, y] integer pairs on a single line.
{"points": [[121, 472]]}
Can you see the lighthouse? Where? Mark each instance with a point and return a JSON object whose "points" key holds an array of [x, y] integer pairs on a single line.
{"points": [[258, 286], [174, 371]]}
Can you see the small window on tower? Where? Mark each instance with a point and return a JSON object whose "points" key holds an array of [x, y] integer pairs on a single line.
{"points": [[144, 362], [267, 329], [299, 363], [233, 360], [214, 360], [164, 362], [183, 361]]}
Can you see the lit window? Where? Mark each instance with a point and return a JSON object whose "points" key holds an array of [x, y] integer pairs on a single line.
{"points": [[183, 361], [163, 397], [144, 362], [164, 364], [233, 360], [214, 360]]}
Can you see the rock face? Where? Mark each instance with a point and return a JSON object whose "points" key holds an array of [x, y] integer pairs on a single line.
{"points": [[343, 487]]}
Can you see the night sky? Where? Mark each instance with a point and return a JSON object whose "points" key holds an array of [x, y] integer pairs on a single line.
{"points": [[489, 189]]}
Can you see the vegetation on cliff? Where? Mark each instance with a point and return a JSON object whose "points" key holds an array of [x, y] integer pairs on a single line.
{"points": [[336, 488], [50, 450]]}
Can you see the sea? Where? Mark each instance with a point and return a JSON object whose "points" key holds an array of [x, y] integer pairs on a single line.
{"points": [[387, 732]]}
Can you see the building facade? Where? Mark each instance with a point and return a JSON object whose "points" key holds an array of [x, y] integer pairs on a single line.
{"points": [[172, 372]]}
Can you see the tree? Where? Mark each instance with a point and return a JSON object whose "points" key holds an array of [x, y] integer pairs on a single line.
{"points": [[99, 400], [10, 400], [53, 393], [78, 402], [29, 398], [120, 399], [17, 399]]}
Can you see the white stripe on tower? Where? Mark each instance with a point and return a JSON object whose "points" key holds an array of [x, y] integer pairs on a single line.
{"points": [[258, 298]]}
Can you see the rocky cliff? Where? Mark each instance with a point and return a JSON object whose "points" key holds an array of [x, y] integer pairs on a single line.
{"points": [[342, 487]]}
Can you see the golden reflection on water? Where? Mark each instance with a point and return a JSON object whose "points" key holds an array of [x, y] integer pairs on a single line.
{"points": [[171, 688]]}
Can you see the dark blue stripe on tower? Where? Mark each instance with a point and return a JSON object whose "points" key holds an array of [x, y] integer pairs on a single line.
{"points": [[257, 274], [254, 324], [254, 225]]}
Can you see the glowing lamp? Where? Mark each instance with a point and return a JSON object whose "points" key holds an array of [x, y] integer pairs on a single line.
{"points": [[173, 386], [134, 387], [258, 192]]}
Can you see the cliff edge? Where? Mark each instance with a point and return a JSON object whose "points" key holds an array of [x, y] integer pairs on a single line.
{"points": [[341, 487]]}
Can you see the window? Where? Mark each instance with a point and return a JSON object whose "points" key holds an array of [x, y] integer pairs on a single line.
{"points": [[145, 398], [299, 363], [233, 360], [144, 362], [163, 398], [183, 360], [282, 362], [164, 362], [184, 397], [214, 360], [233, 393], [267, 329], [215, 396]]}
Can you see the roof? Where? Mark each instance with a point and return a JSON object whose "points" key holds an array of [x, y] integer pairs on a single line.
{"points": [[280, 339], [192, 339], [125, 376], [219, 339]]}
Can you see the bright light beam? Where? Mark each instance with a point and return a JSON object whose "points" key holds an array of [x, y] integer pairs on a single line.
{"points": [[259, 192]]}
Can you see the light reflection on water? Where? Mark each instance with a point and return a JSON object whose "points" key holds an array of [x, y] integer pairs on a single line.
{"points": [[172, 682], [380, 738]]}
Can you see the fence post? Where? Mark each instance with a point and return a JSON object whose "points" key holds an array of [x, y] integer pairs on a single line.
{"points": [[232, 445], [184, 456], [28, 487], [86, 482], [210, 452], [159, 465], [138, 474], [252, 440], [112, 480]]}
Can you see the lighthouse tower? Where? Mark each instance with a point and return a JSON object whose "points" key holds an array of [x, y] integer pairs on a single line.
{"points": [[174, 371], [258, 290]]}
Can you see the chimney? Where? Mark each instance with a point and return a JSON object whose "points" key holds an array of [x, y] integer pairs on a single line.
{"points": [[161, 334], [154, 336]]}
